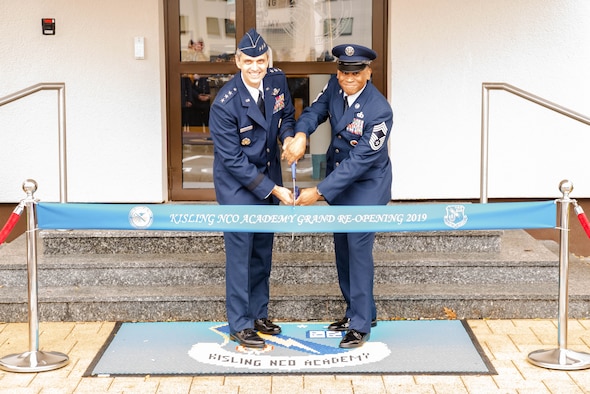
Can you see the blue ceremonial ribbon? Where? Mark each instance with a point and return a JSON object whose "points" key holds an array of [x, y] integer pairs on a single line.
{"points": [[304, 219]]}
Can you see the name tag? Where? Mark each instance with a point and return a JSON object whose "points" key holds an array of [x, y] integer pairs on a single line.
{"points": [[247, 128]]}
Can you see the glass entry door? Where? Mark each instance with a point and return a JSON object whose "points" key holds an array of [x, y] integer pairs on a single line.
{"points": [[201, 42]]}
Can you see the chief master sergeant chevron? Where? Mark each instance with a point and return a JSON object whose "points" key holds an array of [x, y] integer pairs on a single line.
{"points": [[247, 170], [358, 172]]}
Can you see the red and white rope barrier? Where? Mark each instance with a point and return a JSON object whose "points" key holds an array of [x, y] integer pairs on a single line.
{"points": [[582, 218], [11, 222]]}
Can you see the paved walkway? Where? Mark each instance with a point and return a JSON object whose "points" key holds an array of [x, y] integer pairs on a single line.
{"points": [[506, 342]]}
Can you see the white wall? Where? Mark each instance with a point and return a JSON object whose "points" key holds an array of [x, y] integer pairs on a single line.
{"points": [[441, 52], [115, 105]]}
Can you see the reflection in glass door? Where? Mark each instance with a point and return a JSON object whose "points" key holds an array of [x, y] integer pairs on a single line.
{"points": [[207, 35], [207, 30], [307, 30], [198, 91]]}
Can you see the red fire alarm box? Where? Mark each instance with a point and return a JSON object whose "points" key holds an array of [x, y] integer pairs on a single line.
{"points": [[48, 25]]}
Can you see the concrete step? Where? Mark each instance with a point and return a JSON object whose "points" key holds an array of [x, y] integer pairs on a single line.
{"points": [[289, 269], [520, 280], [520, 260], [65, 242], [291, 302]]}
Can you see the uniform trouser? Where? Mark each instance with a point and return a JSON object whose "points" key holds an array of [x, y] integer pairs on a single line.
{"points": [[248, 260], [354, 262]]}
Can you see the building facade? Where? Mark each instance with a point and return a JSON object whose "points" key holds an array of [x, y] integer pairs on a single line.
{"points": [[123, 62]]}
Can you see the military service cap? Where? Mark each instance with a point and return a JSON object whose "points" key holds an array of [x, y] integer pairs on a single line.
{"points": [[353, 57], [252, 44]]}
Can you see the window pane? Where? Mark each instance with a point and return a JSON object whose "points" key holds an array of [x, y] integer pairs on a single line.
{"points": [[198, 92], [207, 30], [307, 30]]}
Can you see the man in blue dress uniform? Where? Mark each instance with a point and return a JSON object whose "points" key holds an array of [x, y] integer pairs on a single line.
{"points": [[358, 172], [250, 114]]}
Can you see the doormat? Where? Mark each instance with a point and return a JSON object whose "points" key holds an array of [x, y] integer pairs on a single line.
{"points": [[412, 347]]}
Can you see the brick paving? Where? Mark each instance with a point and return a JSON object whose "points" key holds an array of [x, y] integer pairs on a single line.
{"points": [[506, 343]]}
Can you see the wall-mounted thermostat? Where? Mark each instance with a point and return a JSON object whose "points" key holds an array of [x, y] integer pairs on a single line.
{"points": [[48, 26]]}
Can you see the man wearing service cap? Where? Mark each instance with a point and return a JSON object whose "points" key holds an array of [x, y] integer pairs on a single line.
{"points": [[358, 172], [250, 113]]}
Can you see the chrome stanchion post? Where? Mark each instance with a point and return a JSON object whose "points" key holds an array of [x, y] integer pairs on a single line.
{"points": [[34, 360], [562, 358]]}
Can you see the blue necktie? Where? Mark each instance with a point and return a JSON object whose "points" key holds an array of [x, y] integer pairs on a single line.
{"points": [[260, 103]]}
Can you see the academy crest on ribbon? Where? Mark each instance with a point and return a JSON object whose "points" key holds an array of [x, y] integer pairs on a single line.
{"points": [[141, 217], [455, 216]]}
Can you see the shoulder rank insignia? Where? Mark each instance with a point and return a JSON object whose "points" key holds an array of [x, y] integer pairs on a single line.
{"points": [[378, 136]]}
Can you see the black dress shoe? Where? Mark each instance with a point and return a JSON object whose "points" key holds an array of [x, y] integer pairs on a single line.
{"points": [[354, 338], [248, 338], [344, 323], [265, 326]]}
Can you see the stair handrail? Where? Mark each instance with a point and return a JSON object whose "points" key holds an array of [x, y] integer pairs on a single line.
{"points": [[486, 87], [61, 119]]}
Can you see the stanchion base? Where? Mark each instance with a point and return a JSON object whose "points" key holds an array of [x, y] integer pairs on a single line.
{"points": [[563, 359], [38, 361]]}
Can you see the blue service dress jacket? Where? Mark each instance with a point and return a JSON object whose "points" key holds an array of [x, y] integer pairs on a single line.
{"points": [[246, 167], [358, 169], [358, 172], [247, 162]]}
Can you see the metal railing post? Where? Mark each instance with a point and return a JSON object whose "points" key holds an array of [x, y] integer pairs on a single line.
{"points": [[34, 360], [485, 113], [485, 124], [61, 119], [562, 358], [63, 164]]}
